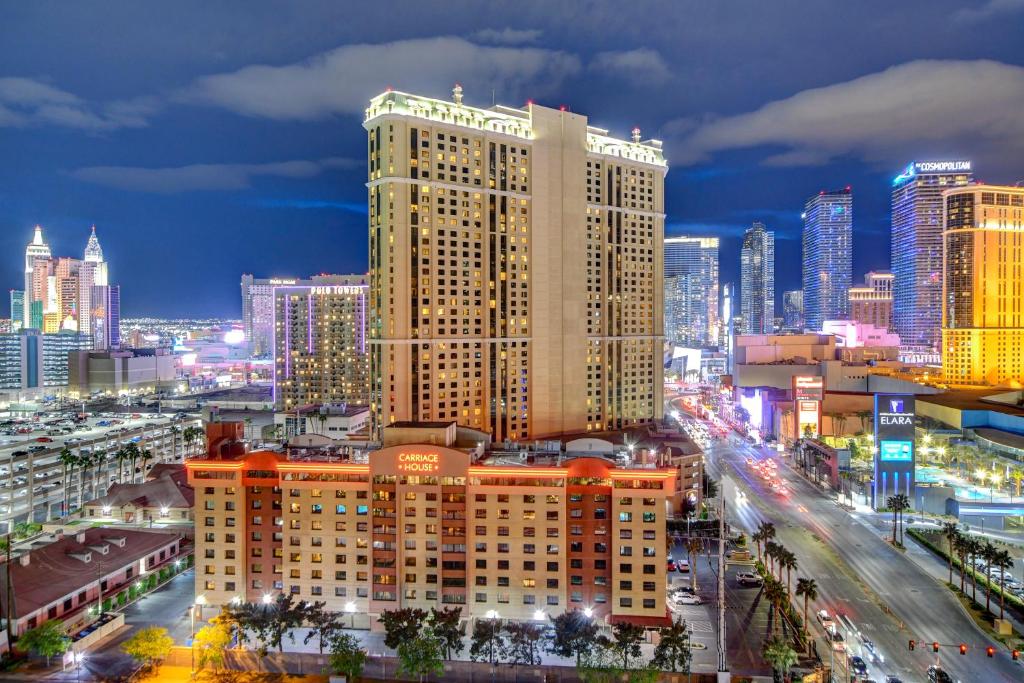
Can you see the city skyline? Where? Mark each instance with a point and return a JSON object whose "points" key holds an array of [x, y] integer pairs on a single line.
{"points": [[138, 153]]}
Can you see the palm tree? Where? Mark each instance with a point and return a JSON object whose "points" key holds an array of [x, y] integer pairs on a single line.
{"points": [[775, 593], [808, 590], [133, 454], [146, 455], [120, 455], [175, 430], [973, 550], [771, 553], [950, 530], [988, 553], [1017, 476], [765, 532], [898, 503], [693, 547], [960, 546], [780, 656], [789, 562], [1003, 560], [68, 460], [865, 417]]}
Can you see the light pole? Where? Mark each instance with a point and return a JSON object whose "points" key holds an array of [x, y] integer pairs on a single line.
{"points": [[192, 641], [79, 657]]}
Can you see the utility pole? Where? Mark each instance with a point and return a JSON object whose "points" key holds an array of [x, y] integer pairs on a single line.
{"points": [[723, 668], [10, 589]]}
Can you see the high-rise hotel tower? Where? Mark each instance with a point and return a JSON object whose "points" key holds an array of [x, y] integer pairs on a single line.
{"points": [[983, 285], [917, 248], [515, 268], [827, 257]]}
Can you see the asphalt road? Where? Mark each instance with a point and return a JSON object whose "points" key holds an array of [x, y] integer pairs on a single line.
{"points": [[888, 597]]}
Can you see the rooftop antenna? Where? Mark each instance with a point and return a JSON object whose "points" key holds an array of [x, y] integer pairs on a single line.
{"points": [[493, 100]]}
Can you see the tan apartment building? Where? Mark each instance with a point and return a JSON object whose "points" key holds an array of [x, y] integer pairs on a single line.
{"points": [[871, 303], [516, 259], [983, 285], [320, 353], [438, 518]]}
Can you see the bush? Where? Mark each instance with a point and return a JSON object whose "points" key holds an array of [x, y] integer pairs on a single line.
{"points": [[107, 604], [122, 599]]}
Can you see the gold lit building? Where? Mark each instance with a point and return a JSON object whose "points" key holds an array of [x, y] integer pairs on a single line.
{"points": [[437, 517], [871, 303], [320, 352], [516, 260], [983, 285]]}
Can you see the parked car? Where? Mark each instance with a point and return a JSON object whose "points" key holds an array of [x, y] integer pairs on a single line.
{"points": [[748, 579], [687, 599], [858, 666], [936, 674], [684, 566]]}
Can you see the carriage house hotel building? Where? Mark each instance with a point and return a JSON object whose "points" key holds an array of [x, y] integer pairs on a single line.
{"points": [[515, 269], [438, 516]]}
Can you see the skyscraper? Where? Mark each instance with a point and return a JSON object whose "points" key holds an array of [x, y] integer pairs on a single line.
{"points": [[320, 353], [35, 283], [17, 309], [515, 268], [757, 280], [872, 302], [983, 285], [106, 316], [691, 268], [827, 257], [917, 247], [258, 307], [793, 310]]}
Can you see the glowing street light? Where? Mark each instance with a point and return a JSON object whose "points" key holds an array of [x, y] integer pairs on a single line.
{"points": [[588, 612], [350, 608], [266, 598], [539, 615]]}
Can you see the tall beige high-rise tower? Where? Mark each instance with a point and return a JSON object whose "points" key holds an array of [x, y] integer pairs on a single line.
{"points": [[983, 285], [516, 261]]}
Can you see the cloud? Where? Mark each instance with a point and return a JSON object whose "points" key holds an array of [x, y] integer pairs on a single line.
{"points": [[942, 106], [342, 80], [202, 177], [28, 102], [988, 10], [507, 36], [643, 65], [351, 207]]}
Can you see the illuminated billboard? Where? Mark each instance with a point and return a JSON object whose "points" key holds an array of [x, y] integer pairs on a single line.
{"points": [[895, 453], [808, 393], [808, 389]]}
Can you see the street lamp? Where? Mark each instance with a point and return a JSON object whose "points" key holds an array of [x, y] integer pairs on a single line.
{"points": [[192, 641], [350, 608], [79, 657], [588, 612], [200, 601], [539, 615], [267, 599]]}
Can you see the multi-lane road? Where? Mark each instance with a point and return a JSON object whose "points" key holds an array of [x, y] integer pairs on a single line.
{"points": [[885, 595]]}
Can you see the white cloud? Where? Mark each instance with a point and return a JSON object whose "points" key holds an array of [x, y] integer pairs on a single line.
{"points": [[194, 177], [989, 9], [921, 106], [507, 36], [642, 65], [26, 102], [342, 80]]}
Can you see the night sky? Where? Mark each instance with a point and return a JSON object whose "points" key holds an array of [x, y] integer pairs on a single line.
{"points": [[205, 139]]}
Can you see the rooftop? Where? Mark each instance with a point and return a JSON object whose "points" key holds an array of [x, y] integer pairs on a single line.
{"points": [[974, 399], [66, 566], [161, 491]]}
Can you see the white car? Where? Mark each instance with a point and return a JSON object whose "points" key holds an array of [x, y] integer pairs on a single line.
{"points": [[687, 599]]}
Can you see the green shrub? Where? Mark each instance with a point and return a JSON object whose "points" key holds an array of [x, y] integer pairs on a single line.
{"points": [[107, 604], [122, 599]]}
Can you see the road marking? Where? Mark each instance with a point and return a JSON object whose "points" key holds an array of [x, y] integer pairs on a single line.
{"points": [[700, 626]]}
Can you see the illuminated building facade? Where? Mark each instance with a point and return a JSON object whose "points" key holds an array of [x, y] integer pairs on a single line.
{"points": [[415, 524], [793, 310], [983, 285], [515, 268], [871, 303], [691, 280], [320, 341], [757, 281], [916, 251], [827, 257]]}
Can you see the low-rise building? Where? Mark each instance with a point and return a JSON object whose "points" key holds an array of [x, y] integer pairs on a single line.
{"points": [[120, 372], [438, 517], [333, 421], [63, 579], [165, 497]]}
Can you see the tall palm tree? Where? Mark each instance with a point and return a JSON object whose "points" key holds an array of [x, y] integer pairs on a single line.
{"points": [[780, 656], [1004, 561], [765, 532], [988, 553], [961, 544], [68, 460], [865, 417], [120, 455], [898, 503], [950, 530], [175, 430], [146, 455], [771, 552], [808, 590], [973, 551], [693, 547], [99, 460], [775, 594], [790, 563]]}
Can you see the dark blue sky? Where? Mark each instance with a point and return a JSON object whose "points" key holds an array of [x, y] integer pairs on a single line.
{"points": [[209, 139]]}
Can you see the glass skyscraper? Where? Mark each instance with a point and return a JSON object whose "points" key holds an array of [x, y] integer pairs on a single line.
{"points": [[827, 257], [757, 281], [917, 248], [691, 290]]}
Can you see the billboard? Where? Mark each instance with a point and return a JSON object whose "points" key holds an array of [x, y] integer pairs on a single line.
{"points": [[895, 448], [808, 393], [808, 389]]}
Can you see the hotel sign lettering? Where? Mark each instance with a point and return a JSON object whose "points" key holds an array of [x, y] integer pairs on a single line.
{"points": [[422, 463]]}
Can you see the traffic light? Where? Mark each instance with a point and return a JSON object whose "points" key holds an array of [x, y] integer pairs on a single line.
{"points": [[990, 651], [1015, 655], [963, 648], [911, 644], [935, 647]]}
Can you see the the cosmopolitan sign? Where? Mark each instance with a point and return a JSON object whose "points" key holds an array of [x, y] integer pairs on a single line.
{"points": [[941, 166], [422, 463]]}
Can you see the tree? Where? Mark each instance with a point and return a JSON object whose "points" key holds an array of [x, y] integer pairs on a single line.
{"points": [[445, 624], [401, 625], [693, 547], [575, 635], [808, 590], [149, 645], [950, 530], [347, 657], [488, 641], [973, 550], [765, 532], [1003, 560], [145, 455], [789, 562], [780, 656], [961, 545], [68, 461], [988, 553], [865, 417], [710, 487], [211, 642], [522, 642], [323, 623], [1018, 477], [898, 503], [284, 615], [673, 650], [420, 656], [625, 642], [46, 640], [775, 593]]}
